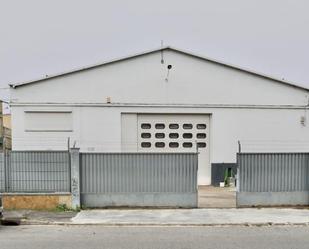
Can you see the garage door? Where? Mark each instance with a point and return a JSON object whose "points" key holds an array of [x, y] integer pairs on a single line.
{"points": [[176, 133]]}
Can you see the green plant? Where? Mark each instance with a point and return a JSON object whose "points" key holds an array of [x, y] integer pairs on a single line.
{"points": [[228, 173], [65, 208], [78, 209], [62, 208]]}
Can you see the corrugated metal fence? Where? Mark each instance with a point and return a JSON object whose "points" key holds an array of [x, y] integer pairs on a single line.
{"points": [[273, 178], [106, 179], [273, 172], [35, 171], [138, 179]]}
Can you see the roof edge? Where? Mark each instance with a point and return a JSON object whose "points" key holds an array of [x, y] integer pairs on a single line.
{"points": [[15, 85]]}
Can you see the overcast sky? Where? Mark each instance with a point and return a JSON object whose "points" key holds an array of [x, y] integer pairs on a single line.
{"points": [[39, 37]]}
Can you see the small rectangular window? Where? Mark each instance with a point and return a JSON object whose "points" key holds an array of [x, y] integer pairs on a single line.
{"points": [[201, 145], [146, 145], [201, 126], [187, 145], [145, 126], [174, 145], [146, 135], [174, 135], [187, 126], [160, 144], [160, 126], [187, 135], [160, 135], [201, 135], [48, 121], [174, 126]]}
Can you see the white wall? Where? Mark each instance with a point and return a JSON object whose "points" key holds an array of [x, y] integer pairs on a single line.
{"points": [[142, 80], [99, 129]]}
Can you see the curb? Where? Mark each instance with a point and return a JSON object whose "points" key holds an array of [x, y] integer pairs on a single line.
{"points": [[263, 224], [43, 222]]}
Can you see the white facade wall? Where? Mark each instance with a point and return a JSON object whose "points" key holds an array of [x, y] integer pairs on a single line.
{"points": [[262, 113], [99, 129], [141, 80]]}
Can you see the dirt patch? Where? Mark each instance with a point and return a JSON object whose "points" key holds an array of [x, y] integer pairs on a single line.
{"points": [[39, 202], [216, 197]]}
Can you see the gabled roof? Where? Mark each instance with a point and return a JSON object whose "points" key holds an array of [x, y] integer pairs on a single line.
{"points": [[158, 50]]}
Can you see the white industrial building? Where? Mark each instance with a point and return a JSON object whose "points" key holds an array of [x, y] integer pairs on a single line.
{"points": [[164, 100]]}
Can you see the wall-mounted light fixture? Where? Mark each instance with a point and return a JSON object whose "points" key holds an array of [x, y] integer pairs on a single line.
{"points": [[169, 67], [303, 120]]}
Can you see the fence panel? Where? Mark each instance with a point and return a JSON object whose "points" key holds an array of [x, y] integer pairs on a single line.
{"points": [[273, 178], [38, 171], [138, 179]]}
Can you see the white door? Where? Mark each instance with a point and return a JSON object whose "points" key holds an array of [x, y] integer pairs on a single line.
{"points": [[177, 133]]}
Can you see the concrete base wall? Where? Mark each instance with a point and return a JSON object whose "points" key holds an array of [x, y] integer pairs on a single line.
{"points": [[245, 199], [188, 200], [35, 201]]}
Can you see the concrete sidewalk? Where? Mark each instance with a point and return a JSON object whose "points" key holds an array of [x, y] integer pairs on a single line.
{"points": [[194, 217], [164, 217]]}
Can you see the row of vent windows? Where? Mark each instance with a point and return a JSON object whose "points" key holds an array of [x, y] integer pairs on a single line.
{"points": [[161, 126], [174, 135], [172, 145]]}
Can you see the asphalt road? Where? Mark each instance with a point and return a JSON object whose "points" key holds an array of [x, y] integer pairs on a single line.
{"points": [[92, 237]]}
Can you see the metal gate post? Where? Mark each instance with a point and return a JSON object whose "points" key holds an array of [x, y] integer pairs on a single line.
{"points": [[238, 178], [75, 177], [7, 171]]}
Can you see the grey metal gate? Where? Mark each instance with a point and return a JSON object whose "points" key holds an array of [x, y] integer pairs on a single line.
{"points": [[273, 179], [35, 172], [139, 179]]}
